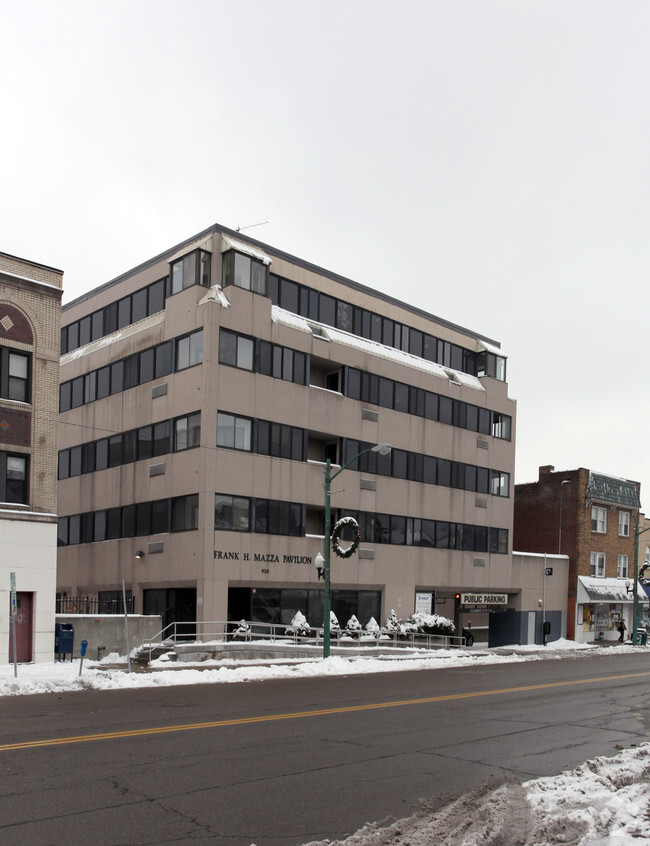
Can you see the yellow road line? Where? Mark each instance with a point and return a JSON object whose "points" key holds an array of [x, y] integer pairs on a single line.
{"points": [[346, 709]]}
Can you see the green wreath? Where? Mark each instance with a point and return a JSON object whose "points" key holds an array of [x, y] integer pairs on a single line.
{"points": [[336, 534]]}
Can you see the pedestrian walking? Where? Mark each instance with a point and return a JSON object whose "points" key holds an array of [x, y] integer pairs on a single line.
{"points": [[621, 631]]}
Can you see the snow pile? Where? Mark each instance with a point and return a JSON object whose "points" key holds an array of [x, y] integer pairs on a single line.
{"points": [[605, 802]]}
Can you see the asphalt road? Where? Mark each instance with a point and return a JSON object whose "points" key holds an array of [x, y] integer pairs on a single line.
{"points": [[280, 763]]}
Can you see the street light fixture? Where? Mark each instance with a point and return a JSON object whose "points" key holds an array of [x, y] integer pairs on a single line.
{"points": [[382, 449]]}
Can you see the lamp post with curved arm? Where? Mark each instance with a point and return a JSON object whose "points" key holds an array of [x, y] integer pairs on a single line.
{"points": [[637, 575], [382, 449]]}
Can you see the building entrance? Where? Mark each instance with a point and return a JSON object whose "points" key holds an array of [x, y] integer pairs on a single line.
{"points": [[24, 628], [175, 605]]}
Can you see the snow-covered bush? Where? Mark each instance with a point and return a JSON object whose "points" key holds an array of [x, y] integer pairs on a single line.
{"points": [[433, 624], [242, 632], [372, 625], [299, 626], [392, 623], [335, 626], [353, 627], [419, 624]]}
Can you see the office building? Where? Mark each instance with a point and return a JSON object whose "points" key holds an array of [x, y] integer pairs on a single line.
{"points": [[202, 393]]}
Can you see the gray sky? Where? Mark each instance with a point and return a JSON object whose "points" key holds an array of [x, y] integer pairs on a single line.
{"points": [[486, 161]]}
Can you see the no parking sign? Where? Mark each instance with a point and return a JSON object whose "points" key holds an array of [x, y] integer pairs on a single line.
{"points": [[12, 585]]}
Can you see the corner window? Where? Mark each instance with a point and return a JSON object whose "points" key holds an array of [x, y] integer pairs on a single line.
{"points": [[501, 426], [233, 431], [236, 350], [189, 350], [187, 432], [185, 513], [598, 519], [232, 513], [499, 483], [192, 269], [490, 364], [624, 524], [244, 272]]}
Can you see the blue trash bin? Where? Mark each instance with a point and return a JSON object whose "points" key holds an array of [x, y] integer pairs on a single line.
{"points": [[63, 640]]}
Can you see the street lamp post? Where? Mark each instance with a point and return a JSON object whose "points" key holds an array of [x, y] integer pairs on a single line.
{"points": [[635, 586], [559, 534], [382, 449]]}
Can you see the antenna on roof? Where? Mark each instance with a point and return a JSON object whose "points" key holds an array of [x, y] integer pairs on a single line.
{"points": [[251, 225]]}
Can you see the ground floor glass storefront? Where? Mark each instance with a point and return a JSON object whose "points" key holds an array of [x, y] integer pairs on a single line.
{"points": [[280, 605]]}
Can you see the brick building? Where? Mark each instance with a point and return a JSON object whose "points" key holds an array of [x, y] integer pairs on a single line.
{"points": [[590, 517], [30, 320]]}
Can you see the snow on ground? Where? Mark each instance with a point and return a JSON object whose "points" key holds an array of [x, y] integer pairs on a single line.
{"points": [[112, 671], [604, 802]]}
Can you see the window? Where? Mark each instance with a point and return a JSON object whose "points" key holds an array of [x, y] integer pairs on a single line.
{"points": [[501, 425], [187, 431], [244, 272], [500, 483], [189, 350], [624, 524], [14, 375], [232, 513], [234, 432], [597, 565], [14, 477], [490, 364], [598, 519], [235, 350], [161, 436], [192, 269], [185, 513], [622, 567], [128, 310]]}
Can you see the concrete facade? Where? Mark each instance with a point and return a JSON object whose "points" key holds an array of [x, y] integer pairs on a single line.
{"points": [[590, 517], [30, 319], [285, 364]]}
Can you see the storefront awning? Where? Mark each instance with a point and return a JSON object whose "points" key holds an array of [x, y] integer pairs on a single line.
{"points": [[602, 590]]}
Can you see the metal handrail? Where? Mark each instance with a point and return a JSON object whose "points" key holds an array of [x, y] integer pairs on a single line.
{"points": [[250, 631]]}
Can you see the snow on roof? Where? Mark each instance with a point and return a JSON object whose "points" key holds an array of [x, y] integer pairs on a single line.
{"points": [[602, 590], [215, 295], [107, 340], [613, 489], [287, 318], [484, 345], [229, 243], [200, 243]]}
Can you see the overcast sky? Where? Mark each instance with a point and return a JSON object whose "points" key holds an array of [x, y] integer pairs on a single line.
{"points": [[486, 161]]}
